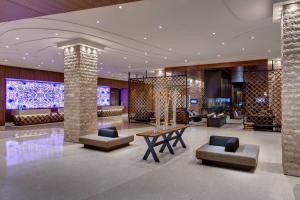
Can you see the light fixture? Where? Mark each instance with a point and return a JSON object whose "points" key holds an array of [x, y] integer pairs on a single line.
{"points": [[120, 7], [223, 43], [198, 53], [39, 65], [42, 63], [129, 66], [252, 37], [26, 54], [219, 55], [24, 58], [109, 72], [146, 61], [145, 38], [7, 46], [101, 63], [145, 53], [160, 27], [125, 58], [59, 53], [56, 34], [243, 49], [213, 33], [52, 61], [269, 50], [165, 57], [97, 21], [185, 60], [17, 38], [170, 49], [5, 60], [101, 68]]}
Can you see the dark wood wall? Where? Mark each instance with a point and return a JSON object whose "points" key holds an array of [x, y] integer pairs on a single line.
{"points": [[34, 74]]}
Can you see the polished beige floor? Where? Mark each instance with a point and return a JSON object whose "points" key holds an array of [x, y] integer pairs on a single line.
{"points": [[35, 163]]}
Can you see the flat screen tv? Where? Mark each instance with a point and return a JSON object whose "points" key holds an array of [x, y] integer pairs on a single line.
{"points": [[194, 101]]}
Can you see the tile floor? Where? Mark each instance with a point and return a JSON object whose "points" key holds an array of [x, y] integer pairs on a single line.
{"points": [[35, 163]]}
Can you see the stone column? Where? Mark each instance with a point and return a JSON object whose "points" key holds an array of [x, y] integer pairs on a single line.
{"points": [[80, 85], [290, 24]]}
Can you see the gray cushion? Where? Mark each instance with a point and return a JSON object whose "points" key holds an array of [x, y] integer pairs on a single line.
{"points": [[105, 142]]}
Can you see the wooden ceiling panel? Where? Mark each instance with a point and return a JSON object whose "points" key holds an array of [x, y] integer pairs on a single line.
{"points": [[21, 9]]}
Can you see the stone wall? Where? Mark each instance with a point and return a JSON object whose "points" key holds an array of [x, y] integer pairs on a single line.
{"points": [[291, 89], [80, 79], [196, 89]]}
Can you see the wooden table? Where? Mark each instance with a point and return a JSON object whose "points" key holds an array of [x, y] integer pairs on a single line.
{"points": [[167, 136]]}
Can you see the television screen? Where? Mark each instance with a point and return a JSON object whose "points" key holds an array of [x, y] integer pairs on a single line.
{"points": [[194, 101], [222, 100], [260, 99]]}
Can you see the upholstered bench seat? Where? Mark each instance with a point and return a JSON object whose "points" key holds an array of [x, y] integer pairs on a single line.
{"points": [[245, 157], [105, 143]]}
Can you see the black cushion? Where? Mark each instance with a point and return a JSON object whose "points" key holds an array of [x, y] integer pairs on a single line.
{"points": [[223, 140], [218, 140], [108, 132], [232, 145]]}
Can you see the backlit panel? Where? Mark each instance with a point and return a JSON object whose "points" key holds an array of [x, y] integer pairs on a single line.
{"points": [[26, 94], [103, 96]]}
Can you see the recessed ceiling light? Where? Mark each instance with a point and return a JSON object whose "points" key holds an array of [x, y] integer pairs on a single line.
{"points": [[152, 71], [129, 66], [101, 68], [145, 38], [17, 38], [109, 72], [97, 21], [26, 54], [125, 58], [269, 50], [185, 60], [146, 61], [42, 63], [214, 33], [223, 43], [145, 53], [243, 49], [165, 57], [120, 7], [198, 53], [59, 53], [39, 65], [160, 27], [7, 46], [52, 61], [101, 63], [56, 34], [219, 55], [170, 49], [24, 58], [252, 37], [100, 53], [5, 60]]}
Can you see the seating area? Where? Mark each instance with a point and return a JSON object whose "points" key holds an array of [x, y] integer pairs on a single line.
{"points": [[149, 100]]}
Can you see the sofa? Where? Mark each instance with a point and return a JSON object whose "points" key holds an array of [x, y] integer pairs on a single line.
{"points": [[245, 157], [107, 139], [36, 116], [214, 120]]}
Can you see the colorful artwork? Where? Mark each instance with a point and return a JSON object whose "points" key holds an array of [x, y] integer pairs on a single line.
{"points": [[25, 94], [28, 94], [103, 96]]}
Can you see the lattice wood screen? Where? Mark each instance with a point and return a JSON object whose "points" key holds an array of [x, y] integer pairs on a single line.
{"points": [[263, 98], [141, 96]]}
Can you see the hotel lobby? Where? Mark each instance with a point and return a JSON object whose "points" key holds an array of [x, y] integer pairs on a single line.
{"points": [[150, 99]]}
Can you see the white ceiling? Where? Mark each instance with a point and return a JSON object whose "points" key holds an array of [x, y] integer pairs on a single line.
{"points": [[243, 30]]}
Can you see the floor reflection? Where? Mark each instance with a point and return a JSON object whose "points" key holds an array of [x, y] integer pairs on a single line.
{"points": [[35, 148]]}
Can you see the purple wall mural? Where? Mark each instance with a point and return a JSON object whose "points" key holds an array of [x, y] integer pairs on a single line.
{"points": [[28, 94]]}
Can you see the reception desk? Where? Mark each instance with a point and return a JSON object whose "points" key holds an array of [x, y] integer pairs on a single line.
{"points": [[106, 111]]}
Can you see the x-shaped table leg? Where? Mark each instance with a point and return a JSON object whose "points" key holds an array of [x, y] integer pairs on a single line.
{"points": [[167, 143], [150, 149], [179, 138]]}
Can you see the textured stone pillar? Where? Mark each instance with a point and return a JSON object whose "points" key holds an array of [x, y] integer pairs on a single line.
{"points": [[80, 78], [291, 89]]}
